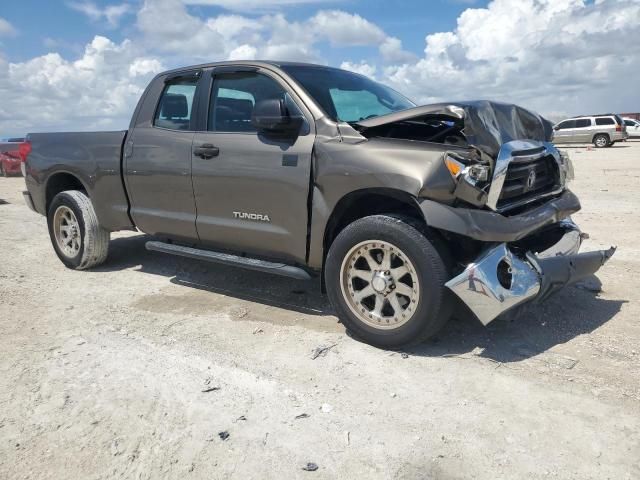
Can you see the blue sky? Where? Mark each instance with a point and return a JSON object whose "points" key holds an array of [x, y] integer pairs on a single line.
{"points": [[54, 25], [82, 64]]}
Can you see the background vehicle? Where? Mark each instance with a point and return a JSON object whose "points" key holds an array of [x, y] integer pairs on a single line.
{"points": [[301, 170], [633, 127], [10, 162], [601, 130]]}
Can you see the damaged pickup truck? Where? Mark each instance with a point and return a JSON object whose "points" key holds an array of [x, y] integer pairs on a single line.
{"points": [[304, 170]]}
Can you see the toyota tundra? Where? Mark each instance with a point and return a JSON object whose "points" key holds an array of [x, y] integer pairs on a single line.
{"points": [[301, 170]]}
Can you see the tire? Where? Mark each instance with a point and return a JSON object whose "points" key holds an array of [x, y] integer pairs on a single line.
{"points": [[85, 243], [3, 171], [421, 306], [601, 141]]}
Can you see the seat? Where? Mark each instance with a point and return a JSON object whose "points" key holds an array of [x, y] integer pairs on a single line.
{"points": [[174, 112], [233, 115]]}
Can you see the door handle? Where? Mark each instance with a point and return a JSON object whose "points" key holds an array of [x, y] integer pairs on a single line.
{"points": [[206, 151]]}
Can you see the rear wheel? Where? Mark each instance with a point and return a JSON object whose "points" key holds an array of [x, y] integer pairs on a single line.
{"points": [[386, 281], [601, 140], [79, 241]]}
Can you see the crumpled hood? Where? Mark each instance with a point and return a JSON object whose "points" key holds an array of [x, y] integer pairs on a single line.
{"points": [[487, 125]]}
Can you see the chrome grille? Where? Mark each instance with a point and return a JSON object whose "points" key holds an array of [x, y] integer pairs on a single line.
{"points": [[527, 179]]}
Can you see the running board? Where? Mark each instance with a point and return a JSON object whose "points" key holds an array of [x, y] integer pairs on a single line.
{"points": [[227, 259]]}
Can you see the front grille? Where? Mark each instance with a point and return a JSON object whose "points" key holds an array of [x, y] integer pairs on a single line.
{"points": [[527, 179]]}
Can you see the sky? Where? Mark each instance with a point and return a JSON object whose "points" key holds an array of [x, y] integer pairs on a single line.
{"points": [[82, 64]]}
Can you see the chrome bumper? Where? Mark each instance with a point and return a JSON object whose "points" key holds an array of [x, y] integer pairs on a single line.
{"points": [[500, 280]]}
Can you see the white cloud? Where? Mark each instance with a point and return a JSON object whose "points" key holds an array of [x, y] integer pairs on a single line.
{"points": [[111, 13], [554, 56], [549, 55], [6, 29], [363, 68], [272, 36], [345, 29], [253, 5], [97, 90], [392, 52]]}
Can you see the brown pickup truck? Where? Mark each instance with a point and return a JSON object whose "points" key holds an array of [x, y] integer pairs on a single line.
{"points": [[305, 170]]}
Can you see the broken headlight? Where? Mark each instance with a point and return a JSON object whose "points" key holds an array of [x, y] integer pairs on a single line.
{"points": [[472, 179], [472, 173]]}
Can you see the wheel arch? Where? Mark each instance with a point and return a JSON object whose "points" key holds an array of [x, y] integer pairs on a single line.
{"points": [[600, 133], [60, 182], [366, 202]]}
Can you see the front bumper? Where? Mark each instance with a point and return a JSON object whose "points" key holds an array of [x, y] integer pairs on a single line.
{"points": [[504, 278], [487, 226]]}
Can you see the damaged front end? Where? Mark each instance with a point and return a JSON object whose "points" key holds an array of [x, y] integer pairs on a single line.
{"points": [[540, 253], [510, 274], [509, 211]]}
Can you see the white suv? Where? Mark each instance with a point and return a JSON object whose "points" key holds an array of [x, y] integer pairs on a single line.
{"points": [[633, 127], [601, 130]]}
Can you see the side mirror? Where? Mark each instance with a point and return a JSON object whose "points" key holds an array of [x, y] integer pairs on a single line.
{"points": [[271, 117]]}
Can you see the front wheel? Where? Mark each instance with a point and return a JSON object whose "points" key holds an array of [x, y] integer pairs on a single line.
{"points": [[78, 239], [386, 279]]}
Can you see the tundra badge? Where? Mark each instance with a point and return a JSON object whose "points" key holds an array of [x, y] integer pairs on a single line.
{"points": [[251, 216]]}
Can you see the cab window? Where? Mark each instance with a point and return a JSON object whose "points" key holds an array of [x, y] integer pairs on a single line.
{"points": [[234, 95], [175, 107], [583, 122]]}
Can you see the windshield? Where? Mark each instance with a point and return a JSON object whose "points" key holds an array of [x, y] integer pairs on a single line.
{"points": [[346, 96]]}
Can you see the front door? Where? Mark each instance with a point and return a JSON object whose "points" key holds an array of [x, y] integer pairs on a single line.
{"points": [[564, 132], [251, 189]]}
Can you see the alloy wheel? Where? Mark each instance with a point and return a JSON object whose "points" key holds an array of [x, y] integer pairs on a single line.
{"points": [[380, 284], [67, 231]]}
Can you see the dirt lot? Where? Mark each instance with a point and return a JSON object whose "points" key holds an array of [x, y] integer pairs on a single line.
{"points": [[105, 373]]}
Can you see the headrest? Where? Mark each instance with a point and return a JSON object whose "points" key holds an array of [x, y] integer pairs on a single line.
{"points": [[174, 105], [238, 106]]}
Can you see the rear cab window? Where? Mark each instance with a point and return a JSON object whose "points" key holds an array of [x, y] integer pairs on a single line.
{"points": [[583, 122], [175, 107]]}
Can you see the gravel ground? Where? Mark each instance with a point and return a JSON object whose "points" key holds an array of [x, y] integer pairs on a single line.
{"points": [[136, 369]]}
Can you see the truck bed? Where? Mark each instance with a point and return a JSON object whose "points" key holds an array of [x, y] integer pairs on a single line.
{"points": [[95, 158]]}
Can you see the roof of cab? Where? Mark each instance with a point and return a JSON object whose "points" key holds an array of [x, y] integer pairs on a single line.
{"points": [[251, 63]]}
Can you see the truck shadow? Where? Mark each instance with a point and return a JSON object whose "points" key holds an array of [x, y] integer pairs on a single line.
{"points": [[574, 311], [281, 292]]}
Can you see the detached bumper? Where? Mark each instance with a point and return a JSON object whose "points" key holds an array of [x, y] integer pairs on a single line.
{"points": [[502, 279]]}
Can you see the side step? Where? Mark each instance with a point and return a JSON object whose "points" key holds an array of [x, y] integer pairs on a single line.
{"points": [[227, 259]]}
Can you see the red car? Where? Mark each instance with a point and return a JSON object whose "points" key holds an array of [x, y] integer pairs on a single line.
{"points": [[10, 158]]}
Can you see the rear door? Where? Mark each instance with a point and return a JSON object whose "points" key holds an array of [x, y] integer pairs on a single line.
{"points": [[158, 162], [582, 132], [251, 189]]}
